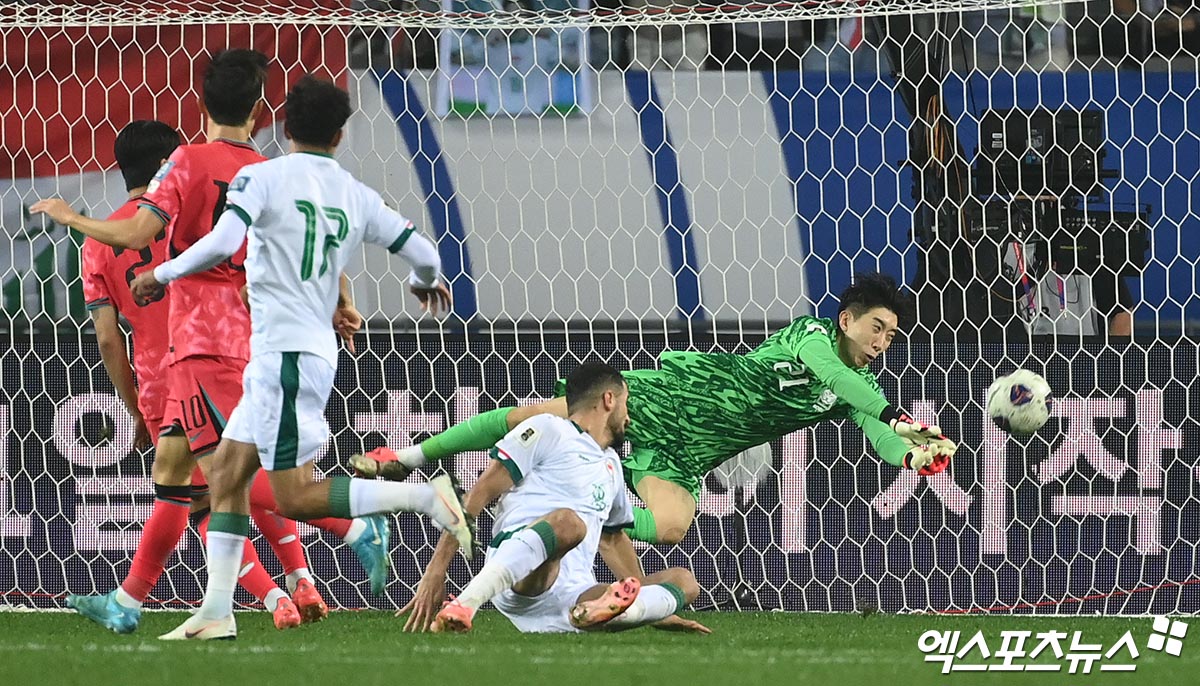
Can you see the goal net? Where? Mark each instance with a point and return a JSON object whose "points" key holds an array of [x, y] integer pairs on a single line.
{"points": [[609, 180]]}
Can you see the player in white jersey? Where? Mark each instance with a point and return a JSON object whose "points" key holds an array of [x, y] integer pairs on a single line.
{"points": [[562, 499], [303, 217]]}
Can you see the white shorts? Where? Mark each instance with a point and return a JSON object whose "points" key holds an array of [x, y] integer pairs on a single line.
{"points": [[547, 613], [282, 410]]}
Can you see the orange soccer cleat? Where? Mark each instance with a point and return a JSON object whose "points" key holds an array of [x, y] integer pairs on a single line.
{"points": [[310, 604], [616, 599], [286, 615], [452, 618]]}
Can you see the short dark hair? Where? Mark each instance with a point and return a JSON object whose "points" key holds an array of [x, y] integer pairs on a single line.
{"points": [[233, 83], [589, 381], [316, 110], [871, 290], [140, 149]]}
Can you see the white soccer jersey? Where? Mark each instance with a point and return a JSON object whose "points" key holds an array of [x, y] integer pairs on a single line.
{"points": [[555, 464], [306, 217]]}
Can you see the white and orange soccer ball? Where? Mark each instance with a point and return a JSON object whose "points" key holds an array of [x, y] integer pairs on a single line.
{"points": [[1019, 403]]}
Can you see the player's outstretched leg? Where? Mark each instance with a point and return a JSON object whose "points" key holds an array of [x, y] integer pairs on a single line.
{"points": [[480, 432], [368, 537], [661, 595], [527, 561], [300, 497], [617, 598]]}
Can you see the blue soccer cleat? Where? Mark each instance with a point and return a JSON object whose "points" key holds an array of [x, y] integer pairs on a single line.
{"points": [[373, 551], [106, 611]]}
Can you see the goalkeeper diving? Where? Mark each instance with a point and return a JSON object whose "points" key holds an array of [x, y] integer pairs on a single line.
{"points": [[700, 409]]}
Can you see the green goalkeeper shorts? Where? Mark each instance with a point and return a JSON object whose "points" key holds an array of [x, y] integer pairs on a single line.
{"points": [[643, 462]]}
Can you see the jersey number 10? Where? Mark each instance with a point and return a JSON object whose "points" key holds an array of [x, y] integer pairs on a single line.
{"points": [[332, 240]]}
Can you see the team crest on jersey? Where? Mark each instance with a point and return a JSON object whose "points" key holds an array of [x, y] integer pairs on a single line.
{"points": [[158, 177], [599, 496], [240, 183], [825, 401]]}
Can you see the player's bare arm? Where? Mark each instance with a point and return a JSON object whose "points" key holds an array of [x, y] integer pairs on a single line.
{"points": [[115, 357], [431, 591], [135, 233]]}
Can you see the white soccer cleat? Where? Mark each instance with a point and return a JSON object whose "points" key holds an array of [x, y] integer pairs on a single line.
{"points": [[197, 628], [448, 514]]}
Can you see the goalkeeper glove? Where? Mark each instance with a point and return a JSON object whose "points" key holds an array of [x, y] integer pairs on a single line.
{"points": [[927, 460], [912, 431]]}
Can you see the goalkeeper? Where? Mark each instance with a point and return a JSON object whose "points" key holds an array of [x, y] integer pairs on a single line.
{"points": [[701, 409]]}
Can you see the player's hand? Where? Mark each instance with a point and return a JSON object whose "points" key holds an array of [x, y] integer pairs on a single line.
{"points": [[913, 431], [433, 300], [245, 295], [927, 459], [57, 209], [426, 602], [347, 321], [677, 623], [146, 289], [141, 435]]}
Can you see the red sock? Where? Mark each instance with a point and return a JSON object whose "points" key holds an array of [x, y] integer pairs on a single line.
{"points": [[251, 576], [335, 526], [160, 535], [262, 496], [280, 532]]}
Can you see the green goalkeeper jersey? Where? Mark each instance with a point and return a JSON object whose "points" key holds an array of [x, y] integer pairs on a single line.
{"points": [[700, 409]]}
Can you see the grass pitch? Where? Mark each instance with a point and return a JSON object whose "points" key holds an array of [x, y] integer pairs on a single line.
{"points": [[367, 648]]}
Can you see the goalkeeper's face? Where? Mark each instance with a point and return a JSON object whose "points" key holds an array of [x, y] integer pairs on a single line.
{"points": [[868, 335]]}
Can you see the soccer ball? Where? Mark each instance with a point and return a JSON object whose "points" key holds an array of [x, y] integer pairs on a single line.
{"points": [[1020, 402]]}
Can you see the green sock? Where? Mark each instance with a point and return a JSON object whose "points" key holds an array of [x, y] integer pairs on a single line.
{"points": [[644, 528], [477, 433], [339, 497]]}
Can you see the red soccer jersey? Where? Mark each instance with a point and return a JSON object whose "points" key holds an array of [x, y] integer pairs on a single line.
{"points": [[107, 272], [208, 316]]}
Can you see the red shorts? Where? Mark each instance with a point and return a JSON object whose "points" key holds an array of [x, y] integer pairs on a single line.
{"points": [[202, 392]]}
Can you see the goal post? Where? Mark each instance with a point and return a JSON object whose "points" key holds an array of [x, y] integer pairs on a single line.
{"points": [[586, 207]]}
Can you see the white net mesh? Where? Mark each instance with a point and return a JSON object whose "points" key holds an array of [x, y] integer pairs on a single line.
{"points": [[587, 207], [476, 14]]}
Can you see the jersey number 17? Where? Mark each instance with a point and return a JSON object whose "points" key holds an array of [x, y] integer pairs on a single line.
{"points": [[333, 237]]}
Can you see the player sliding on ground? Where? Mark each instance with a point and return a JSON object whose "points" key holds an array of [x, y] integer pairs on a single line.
{"points": [[562, 497], [701, 409], [302, 217], [206, 342]]}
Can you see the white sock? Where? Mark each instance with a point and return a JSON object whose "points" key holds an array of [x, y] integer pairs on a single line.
{"points": [[294, 578], [126, 600], [224, 563], [411, 457], [368, 497], [653, 603], [273, 597], [514, 560], [357, 527]]}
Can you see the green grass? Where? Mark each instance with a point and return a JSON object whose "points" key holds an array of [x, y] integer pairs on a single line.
{"points": [[366, 648]]}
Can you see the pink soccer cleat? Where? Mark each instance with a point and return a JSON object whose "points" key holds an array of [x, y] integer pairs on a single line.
{"points": [[452, 618], [616, 599]]}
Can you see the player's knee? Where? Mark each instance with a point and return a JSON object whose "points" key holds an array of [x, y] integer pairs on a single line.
{"points": [[670, 533], [569, 529], [684, 580]]}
